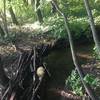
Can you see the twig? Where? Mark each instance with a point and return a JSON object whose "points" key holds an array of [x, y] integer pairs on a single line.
{"points": [[37, 87], [5, 93], [44, 65], [34, 64]]}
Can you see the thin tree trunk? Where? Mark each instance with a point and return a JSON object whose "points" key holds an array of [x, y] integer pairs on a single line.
{"points": [[92, 25], [14, 19], [25, 2], [2, 32], [13, 16], [2, 26], [79, 69], [53, 9], [38, 11], [5, 18]]}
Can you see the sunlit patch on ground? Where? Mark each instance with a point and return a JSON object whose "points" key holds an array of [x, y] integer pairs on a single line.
{"points": [[84, 55], [7, 49], [28, 28]]}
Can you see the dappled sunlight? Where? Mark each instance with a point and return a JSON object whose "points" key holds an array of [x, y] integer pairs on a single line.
{"points": [[7, 49], [84, 56], [29, 28]]}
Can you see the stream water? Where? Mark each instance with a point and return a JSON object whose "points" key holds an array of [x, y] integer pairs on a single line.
{"points": [[60, 65]]}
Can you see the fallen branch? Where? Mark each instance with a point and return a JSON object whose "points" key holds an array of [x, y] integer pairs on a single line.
{"points": [[26, 82]]}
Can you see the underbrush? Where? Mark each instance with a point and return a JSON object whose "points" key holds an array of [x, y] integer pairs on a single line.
{"points": [[74, 83], [78, 26], [96, 53], [9, 38]]}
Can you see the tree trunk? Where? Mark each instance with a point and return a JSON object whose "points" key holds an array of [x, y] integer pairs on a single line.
{"points": [[38, 11], [5, 18], [25, 2], [3, 24], [2, 32], [14, 19], [13, 16], [53, 9], [75, 61], [92, 25]]}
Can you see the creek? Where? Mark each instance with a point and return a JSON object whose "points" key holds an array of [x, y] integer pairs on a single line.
{"points": [[60, 65]]}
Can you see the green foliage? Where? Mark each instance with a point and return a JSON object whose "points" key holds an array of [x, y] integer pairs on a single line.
{"points": [[77, 26], [74, 10], [8, 38], [77, 17], [22, 11], [97, 20], [1, 4], [56, 26], [46, 8], [73, 82], [92, 80], [96, 53]]}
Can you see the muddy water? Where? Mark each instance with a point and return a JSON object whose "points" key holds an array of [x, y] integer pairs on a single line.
{"points": [[60, 65]]}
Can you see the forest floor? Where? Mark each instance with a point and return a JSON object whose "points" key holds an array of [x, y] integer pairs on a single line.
{"points": [[25, 38]]}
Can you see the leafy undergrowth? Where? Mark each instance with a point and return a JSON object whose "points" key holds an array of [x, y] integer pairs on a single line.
{"points": [[92, 77]]}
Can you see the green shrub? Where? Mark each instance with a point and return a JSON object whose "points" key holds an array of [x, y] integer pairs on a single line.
{"points": [[77, 26], [74, 83], [96, 53], [56, 25], [8, 38]]}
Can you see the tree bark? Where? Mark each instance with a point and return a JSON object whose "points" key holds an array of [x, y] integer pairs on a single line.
{"points": [[38, 11], [2, 31], [5, 18], [92, 25], [53, 9], [13, 16], [75, 61]]}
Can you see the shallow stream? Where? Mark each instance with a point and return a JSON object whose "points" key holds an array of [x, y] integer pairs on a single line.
{"points": [[60, 65]]}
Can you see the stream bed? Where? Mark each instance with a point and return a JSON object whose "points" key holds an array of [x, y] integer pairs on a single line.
{"points": [[60, 65]]}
